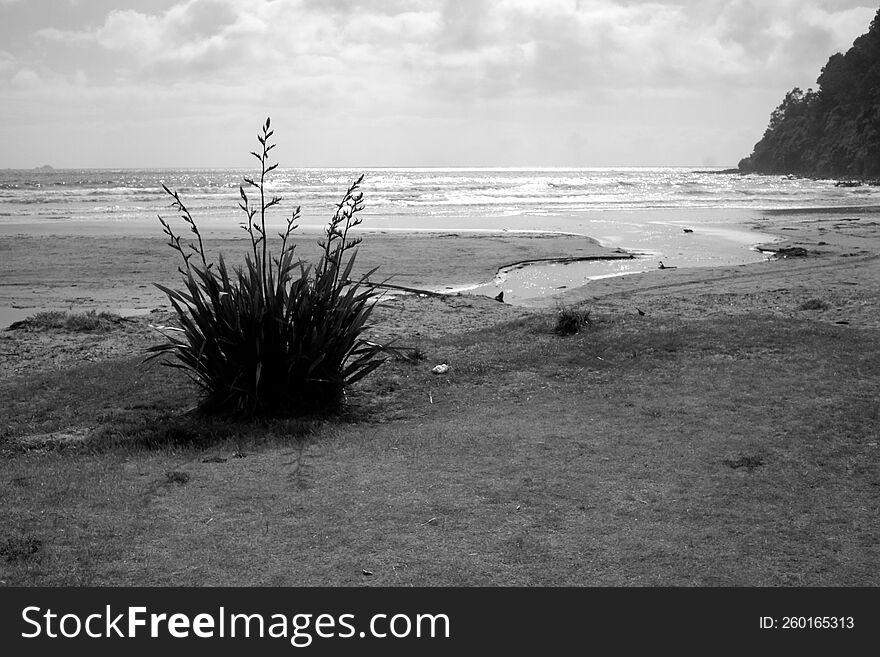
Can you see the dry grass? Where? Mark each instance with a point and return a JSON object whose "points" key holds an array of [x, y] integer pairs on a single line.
{"points": [[645, 451], [90, 321], [571, 320]]}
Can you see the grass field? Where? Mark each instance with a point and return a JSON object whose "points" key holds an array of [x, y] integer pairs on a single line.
{"points": [[643, 450]]}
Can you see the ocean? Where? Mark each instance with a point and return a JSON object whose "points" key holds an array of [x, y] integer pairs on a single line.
{"points": [[643, 210], [420, 199]]}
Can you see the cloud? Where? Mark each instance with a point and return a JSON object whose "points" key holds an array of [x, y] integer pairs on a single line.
{"points": [[478, 49], [25, 78], [788, 36], [7, 60], [191, 33], [497, 73], [565, 47]]}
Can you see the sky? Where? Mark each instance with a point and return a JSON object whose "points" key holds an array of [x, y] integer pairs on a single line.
{"points": [[371, 83]]}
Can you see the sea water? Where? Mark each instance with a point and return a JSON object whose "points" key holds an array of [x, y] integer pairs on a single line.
{"points": [[427, 198], [680, 216]]}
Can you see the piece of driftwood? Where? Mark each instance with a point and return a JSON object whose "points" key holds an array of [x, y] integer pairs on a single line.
{"points": [[785, 251], [402, 288], [791, 252]]}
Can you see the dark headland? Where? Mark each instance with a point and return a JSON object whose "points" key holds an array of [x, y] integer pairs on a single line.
{"points": [[833, 131]]}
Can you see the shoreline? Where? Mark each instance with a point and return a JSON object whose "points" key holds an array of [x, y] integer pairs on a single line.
{"points": [[45, 269], [838, 274], [502, 270], [58, 272], [833, 265], [832, 209]]}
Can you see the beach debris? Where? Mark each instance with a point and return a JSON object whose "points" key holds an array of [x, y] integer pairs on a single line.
{"points": [[499, 297], [21, 548], [442, 368], [791, 252], [783, 251], [660, 265], [432, 521], [689, 230], [641, 312], [387, 286], [747, 462], [177, 477], [813, 304], [368, 573]]}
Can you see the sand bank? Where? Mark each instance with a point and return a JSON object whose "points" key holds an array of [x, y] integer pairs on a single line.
{"points": [[838, 275], [89, 271], [82, 272]]}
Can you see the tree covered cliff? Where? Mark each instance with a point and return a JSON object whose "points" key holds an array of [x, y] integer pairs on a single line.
{"points": [[833, 131]]}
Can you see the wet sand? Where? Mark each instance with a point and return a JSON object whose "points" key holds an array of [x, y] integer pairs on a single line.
{"points": [[839, 273], [79, 272]]}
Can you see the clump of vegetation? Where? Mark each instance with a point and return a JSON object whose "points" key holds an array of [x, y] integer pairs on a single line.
{"points": [[747, 462], [66, 321], [21, 548], [813, 304], [276, 337], [570, 320], [177, 477]]}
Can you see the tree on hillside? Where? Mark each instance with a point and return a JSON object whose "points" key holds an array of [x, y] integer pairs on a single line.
{"points": [[833, 131]]}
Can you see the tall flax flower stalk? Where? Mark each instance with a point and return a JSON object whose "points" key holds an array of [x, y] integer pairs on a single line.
{"points": [[277, 336]]}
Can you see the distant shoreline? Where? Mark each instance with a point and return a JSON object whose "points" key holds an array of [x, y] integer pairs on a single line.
{"points": [[841, 209]]}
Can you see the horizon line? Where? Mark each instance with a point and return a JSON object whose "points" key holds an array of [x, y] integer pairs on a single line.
{"points": [[47, 167]]}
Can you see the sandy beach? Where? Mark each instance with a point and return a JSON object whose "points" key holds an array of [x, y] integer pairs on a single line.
{"points": [[83, 271], [77, 273], [839, 265], [80, 272]]}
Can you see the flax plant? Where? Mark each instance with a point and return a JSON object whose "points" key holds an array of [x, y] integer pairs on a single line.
{"points": [[278, 336]]}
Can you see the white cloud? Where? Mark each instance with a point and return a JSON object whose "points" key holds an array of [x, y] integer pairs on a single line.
{"points": [[497, 72], [25, 78], [186, 33], [788, 37], [478, 48], [7, 61]]}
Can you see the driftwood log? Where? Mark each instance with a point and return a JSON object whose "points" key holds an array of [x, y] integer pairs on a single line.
{"points": [[402, 288]]}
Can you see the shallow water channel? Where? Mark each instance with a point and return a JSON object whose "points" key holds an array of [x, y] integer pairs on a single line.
{"points": [[653, 246]]}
